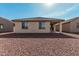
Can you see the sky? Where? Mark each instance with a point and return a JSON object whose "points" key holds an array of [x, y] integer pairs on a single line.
{"points": [[28, 10]]}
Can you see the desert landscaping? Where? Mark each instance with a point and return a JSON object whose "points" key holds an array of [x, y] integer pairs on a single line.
{"points": [[57, 45]]}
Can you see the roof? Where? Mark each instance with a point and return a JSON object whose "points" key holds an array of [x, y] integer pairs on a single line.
{"points": [[35, 19], [71, 20], [76, 18], [4, 19]]}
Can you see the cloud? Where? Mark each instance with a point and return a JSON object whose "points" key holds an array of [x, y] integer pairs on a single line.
{"points": [[66, 11], [61, 13]]}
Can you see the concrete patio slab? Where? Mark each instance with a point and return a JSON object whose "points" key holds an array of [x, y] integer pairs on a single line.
{"points": [[6, 33], [71, 34]]}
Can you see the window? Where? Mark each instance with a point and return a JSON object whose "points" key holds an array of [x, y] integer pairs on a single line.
{"points": [[1, 26], [41, 25], [77, 25], [24, 25]]}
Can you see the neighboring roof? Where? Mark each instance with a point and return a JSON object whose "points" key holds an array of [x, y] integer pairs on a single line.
{"points": [[5, 20], [71, 20], [37, 19]]}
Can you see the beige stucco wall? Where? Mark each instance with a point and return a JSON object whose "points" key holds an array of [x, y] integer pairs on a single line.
{"points": [[66, 27], [74, 26], [57, 27], [33, 27], [62, 27], [8, 25], [69, 26]]}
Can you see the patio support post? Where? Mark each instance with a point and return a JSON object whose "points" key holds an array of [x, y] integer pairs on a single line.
{"points": [[60, 30], [54, 28]]}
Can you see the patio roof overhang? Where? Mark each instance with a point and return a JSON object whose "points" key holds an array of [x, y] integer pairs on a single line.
{"points": [[52, 21]]}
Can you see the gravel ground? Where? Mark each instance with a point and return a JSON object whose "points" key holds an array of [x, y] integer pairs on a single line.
{"points": [[38, 44], [39, 47]]}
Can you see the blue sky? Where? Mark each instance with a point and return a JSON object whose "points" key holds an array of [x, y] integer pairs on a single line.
{"points": [[26, 10]]}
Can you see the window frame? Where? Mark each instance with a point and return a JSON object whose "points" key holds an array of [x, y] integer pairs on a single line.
{"points": [[24, 26], [2, 26], [41, 25]]}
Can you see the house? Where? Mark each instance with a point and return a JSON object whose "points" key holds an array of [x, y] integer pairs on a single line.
{"points": [[35, 25], [71, 25], [5, 25]]}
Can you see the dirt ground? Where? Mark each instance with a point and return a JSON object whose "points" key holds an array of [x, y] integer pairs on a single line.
{"points": [[39, 47], [35, 45]]}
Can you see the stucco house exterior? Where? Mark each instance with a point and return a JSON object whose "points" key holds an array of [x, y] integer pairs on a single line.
{"points": [[71, 25], [5, 25], [35, 25]]}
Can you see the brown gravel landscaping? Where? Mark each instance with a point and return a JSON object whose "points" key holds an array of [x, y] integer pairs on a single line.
{"points": [[40, 46]]}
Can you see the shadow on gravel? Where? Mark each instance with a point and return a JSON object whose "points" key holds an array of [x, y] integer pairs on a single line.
{"points": [[35, 35]]}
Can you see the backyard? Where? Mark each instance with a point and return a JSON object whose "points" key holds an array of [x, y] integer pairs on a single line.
{"points": [[53, 44]]}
